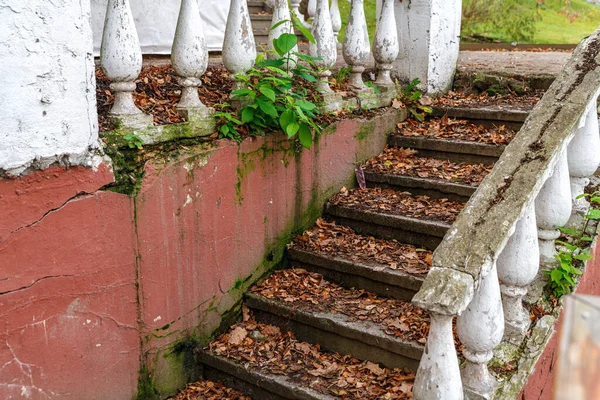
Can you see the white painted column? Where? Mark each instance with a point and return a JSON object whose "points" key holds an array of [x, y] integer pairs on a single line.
{"points": [[438, 376], [518, 266], [296, 10], [281, 12], [324, 46], [239, 47], [378, 5], [385, 45], [189, 57], [357, 48], [480, 328], [121, 59], [553, 209], [336, 20], [312, 8], [583, 155]]}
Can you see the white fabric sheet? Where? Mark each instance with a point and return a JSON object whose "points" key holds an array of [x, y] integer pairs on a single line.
{"points": [[156, 20]]}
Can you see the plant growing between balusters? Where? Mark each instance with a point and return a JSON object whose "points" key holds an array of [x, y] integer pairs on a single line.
{"points": [[270, 101], [412, 98], [563, 276]]}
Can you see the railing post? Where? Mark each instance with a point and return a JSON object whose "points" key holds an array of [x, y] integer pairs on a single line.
{"points": [[357, 48], [324, 46], [438, 377], [336, 21], [583, 155], [296, 10], [385, 44], [518, 266], [239, 47], [121, 59], [311, 8], [189, 57], [481, 328], [553, 209], [281, 12]]}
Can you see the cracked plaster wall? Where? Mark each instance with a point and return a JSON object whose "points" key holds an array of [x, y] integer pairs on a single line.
{"points": [[429, 35], [47, 96]]}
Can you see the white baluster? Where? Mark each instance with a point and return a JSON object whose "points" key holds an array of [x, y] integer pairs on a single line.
{"points": [[378, 5], [553, 209], [239, 47], [356, 44], [385, 45], [121, 59], [438, 376], [296, 10], [281, 12], [189, 57], [480, 329], [583, 155], [336, 20], [518, 266], [311, 8], [324, 46]]}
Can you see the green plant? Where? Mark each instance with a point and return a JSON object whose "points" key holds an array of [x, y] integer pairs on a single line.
{"points": [[270, 102], [563, 276], [341, 76], [133, 141], [412, 98], [373, 86], [228, 123]]}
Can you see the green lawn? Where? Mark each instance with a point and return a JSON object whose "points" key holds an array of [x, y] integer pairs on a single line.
{"points": [[553, 27]]}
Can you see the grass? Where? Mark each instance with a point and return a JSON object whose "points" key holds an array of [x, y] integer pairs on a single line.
{"points": [[553, 27]]}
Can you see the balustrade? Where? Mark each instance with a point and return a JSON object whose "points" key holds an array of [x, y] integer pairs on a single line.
{"points": [[121, 60], [324, 46], [189, 57], [336, 21], [239, 47], [385, 45], [282, 24], [356, 45], [583, 160]]}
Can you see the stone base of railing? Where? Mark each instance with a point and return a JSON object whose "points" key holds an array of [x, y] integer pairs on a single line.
{"points": [[195, 127], [131, 121]]}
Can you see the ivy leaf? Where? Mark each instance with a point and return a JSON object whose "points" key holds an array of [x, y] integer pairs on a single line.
{"points": [[247, 115], [243, 93], [287, 117], [269, 63], [556, 275], [593, 214], [267, 107], [292, 129], [305, 136], [268, 91], [284, 43], [306, 105]]}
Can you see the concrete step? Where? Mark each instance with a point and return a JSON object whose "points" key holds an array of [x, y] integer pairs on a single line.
{"points": [[457, 151], [253, 382], [488, 116], [256, 6], [379, 279], [344, 334], [383, 225]]}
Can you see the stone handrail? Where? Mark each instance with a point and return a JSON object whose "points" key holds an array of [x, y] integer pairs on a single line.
{"points": [[121, 56], [533, 185]]}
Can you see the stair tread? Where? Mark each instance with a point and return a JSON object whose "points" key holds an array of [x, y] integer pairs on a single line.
{"points": [[340, 243], [293, 369], [399, 161], [208, 390], [302, 291], [460, 130], [390, 202], [500, 102]]}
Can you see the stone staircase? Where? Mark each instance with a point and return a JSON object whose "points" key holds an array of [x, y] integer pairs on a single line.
{"points": [[346, 290]]}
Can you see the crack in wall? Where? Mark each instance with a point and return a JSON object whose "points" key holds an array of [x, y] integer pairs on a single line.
{"points": [[35, 282]]}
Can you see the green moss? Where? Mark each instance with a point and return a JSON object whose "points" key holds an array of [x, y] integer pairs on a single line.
{"points": [[366, 129], [146, 389]]}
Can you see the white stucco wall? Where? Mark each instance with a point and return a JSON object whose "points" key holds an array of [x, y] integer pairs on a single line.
{"points": [[429, 35], [47, 96], [156, 20]]}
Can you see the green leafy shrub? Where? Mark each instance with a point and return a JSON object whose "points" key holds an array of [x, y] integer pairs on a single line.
{"points": [[269, 101], [412, 98]]}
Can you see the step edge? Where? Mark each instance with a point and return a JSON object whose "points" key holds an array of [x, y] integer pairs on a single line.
{"points": [[277, 384], [369, 333], [414, 225], [421, 183], [485, 113], [397, 278], [447, 145]]}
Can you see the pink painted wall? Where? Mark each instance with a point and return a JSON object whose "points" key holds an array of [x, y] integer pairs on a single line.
{"points": [[539, 385], [97, 286]]}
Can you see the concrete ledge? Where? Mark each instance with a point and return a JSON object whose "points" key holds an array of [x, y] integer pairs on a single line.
{"points": [[255, 383], [404, 229], [485, 116], [379, 279], [335, 332], [453, 150], [434, 188]]}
